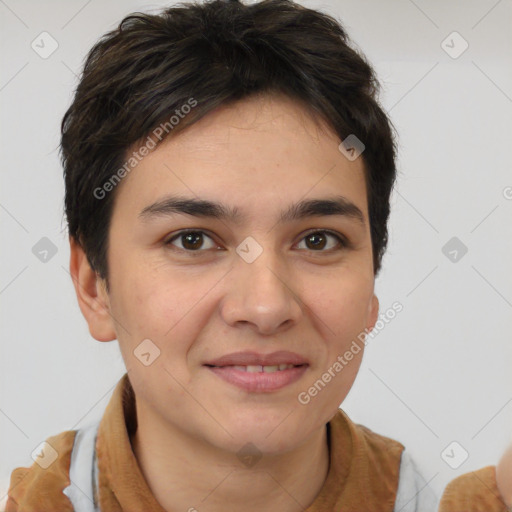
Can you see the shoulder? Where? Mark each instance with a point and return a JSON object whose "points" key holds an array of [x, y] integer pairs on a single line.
{"points": [[472, 492], [414, 494], [370, 465], [40, 486], [389, 463], [382, 451]]}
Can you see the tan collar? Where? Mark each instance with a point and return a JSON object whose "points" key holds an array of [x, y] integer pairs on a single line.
{"points": [[363, 471]]}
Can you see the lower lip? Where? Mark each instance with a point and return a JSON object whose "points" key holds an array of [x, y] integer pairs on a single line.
{"points": [[259, 381]]}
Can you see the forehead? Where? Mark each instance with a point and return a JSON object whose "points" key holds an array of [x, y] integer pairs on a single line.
{"points": [[264, 149], [267, 125]]}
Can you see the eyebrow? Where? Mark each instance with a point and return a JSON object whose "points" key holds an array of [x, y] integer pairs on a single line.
{"points": [[171, 205]]}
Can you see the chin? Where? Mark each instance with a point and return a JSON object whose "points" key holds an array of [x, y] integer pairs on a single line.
{"points": [[270, 435], [250, 442]]}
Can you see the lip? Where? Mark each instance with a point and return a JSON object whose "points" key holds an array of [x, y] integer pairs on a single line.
{"points": [[259, 382], [262, 382], [249, 358]]}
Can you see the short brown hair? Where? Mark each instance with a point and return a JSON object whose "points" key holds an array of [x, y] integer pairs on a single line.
{"points": [[218, 52]]}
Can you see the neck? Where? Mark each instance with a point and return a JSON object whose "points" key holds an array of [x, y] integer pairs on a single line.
{"points": [[184, 474]]}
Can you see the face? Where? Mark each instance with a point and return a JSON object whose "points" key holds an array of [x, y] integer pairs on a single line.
{"points": [[221, 296]]}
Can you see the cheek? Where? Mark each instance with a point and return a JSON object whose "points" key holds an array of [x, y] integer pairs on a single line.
{"points": [[341, 306], [167, 308], [146, 297], [143, 307]]}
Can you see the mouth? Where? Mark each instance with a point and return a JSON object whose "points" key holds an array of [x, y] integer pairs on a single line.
{"points": [[259, 368], [254, 379], [250, 359]]}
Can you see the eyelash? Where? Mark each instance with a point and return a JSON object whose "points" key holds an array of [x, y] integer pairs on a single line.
{"points": [[343, 242]]}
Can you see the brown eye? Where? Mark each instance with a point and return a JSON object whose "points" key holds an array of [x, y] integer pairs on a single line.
{"points": [[318, 240], [196, 242], [191, 241]]}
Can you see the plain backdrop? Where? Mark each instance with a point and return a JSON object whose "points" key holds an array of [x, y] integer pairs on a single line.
{"points": [[439, 373]]}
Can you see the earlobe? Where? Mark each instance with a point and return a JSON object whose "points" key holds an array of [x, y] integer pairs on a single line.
{"points": [[92, 296], [373, 312]]}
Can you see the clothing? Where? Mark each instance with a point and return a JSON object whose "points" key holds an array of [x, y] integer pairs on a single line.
{"points": [[96, 470], [473, 492]]}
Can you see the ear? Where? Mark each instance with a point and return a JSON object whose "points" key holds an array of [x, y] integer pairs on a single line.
{"points": [[373, 312], [91, 293]]}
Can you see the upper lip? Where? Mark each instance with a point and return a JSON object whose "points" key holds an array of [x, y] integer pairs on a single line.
{"points": [[257, 359]]}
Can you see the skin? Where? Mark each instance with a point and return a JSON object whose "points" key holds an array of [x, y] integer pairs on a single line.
{"points": [[504, 476], [260, 155]]}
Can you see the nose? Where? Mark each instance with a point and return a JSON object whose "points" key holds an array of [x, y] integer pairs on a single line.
{"points": [[261, 294]]}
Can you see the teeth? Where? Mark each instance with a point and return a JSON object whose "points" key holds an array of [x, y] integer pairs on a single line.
{"points": [[265, 369]]}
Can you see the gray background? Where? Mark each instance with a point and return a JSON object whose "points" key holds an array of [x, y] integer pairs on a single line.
{"points": [[438, 373]]}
